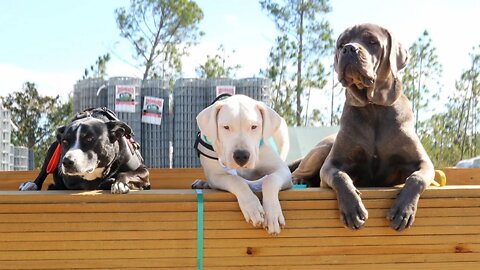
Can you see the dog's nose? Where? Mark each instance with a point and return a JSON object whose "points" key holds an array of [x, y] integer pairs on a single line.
{"points": [[350, 49], [67, 162], [241, 157]]}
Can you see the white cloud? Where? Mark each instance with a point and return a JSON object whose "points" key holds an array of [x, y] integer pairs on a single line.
{"points": [[50, 83]]}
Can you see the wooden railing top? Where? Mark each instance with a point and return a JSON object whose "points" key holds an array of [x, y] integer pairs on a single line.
{"points": [[182, 178]]}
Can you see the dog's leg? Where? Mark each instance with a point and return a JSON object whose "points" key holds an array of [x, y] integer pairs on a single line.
{"points": [[138, 179], [38, 182], [353, 213], [279, 180], [402, 213], [249, 203]]}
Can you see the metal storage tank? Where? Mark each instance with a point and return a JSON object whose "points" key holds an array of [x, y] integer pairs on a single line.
{"points": [[155, 144], [85, 94], [133, 119], [256, 88], [188, 100]]}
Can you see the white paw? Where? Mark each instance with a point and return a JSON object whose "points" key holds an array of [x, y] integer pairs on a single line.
{"points": [[253, 211], [274, 219], [119, 188], [28, 186]]}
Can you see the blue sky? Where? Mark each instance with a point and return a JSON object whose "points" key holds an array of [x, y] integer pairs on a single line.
{"points": [[50, 42]]}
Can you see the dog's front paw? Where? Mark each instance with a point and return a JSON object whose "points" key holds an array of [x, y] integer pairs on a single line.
{"points": [[353, 213], [253, 211], [200, 184], [26, 186], [402, 213], [274, 219], [119, 188]]}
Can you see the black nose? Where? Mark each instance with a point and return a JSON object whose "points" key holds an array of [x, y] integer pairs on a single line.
{"points": [[350, 49], [67, 162], [241, 157]]}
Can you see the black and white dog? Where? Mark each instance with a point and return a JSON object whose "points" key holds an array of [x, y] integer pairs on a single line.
{"points": [[94, 151]]}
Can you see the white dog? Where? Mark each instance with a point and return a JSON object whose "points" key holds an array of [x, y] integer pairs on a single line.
{"points": [[242, 140]]}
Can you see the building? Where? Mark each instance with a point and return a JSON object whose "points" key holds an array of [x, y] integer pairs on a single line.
{"points": [[12, 157]]}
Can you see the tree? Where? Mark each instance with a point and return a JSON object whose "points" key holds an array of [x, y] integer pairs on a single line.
{"points": [[160, 31], [37, 118], [421, 75], [99, 70], [216, 67], [301, 21], [453, 135]]}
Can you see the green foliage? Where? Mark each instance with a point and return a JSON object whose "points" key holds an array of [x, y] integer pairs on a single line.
{"points": [[454, 135], [421, 76], [161, 31], [295, 60], [99, 70], [215, 67], [37, 118]]}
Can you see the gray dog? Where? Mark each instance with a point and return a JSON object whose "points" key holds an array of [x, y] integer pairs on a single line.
{"points": [[376, 145]]}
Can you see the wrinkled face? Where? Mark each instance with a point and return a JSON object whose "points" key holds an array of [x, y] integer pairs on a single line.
{"points": [[239, 131], [360, 52], [86, 148]]}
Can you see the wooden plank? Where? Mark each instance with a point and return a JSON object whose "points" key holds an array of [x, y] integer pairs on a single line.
{"points": [[332, 232], [376, 266], [340, 250], [63, 226], [459, 176], [97, 235], [97, 217], [155, 263], [93, 244], [459, 241], [339, 240]]}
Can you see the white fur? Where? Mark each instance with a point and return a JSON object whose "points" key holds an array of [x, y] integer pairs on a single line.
{"points": [[239, 113]]}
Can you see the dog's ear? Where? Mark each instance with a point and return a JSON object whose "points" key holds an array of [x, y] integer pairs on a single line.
{"points": [[398, 55], [207, 121], [271, 120], [117, 129], [59, 133]]}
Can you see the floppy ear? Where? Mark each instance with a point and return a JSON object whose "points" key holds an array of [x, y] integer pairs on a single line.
{"points": [[207, 121], [59, 133], [117, 129], [398, 55], [271, 120]]}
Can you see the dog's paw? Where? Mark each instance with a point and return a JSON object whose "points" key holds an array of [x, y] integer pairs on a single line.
{"points": [[200, 184], [119, 188], [353, 213], [253, 211], [274, 219], [402, 213], [26, 186]]}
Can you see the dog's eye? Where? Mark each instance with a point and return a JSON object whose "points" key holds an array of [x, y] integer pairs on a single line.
{"points": [[65, 142], [89, 139], [226, 127], [254, 127], [373, 42], [341, 45]]}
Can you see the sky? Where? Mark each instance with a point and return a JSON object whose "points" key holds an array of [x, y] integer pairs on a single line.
{"points": [[51, 42]]}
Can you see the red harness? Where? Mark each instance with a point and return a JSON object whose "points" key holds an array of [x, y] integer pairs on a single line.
{"points": [[53, 163]]}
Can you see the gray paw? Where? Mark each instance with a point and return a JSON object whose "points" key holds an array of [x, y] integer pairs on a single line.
{"points": [[26, 186], [402, 213], [353, 213], [119, 188]]}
